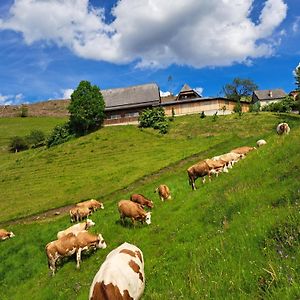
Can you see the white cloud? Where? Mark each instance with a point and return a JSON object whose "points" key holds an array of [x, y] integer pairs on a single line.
{"points": [[11, 99], [295, 26], [66, 94], [199, 90], [152, 33], [165, 94]]}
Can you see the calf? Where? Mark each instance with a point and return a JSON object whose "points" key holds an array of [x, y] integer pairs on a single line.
{"points": [[260, 143], [283, 128], [70, 244], [134, 211], [4, 234], [92, 204], [243, 150], [163, 192], [121, 276], [76, 228], [78, 213], [138, 198]]}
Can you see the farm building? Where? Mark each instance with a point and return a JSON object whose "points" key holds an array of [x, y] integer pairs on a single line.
{"points": [[265, 97], [188, 101]]}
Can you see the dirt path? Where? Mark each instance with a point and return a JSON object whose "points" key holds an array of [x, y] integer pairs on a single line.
{"points": [[56, 212]]}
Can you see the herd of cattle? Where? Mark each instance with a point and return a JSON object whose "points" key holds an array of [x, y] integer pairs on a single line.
{"points": [[121, 276]]}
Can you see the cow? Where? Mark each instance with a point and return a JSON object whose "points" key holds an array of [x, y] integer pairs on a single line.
{"points": [[283, 128], [92, 204], [217, 166], [78, 213], [134, 211], [4, 234], [230, 158], [71, 244], [121, 276], [201, 169], [138, 198], [76, 228], [260, 143], [243, 150], [163, 192]]}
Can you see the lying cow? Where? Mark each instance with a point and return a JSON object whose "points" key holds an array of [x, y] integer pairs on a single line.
{"points": [[142, 200], [70, 244], [230, 158], [4, 234], [283, 128], [163, 192], [217, 166], [92, 204], [260, 143], [78, 213], [243, 150], [121, 276], [134, 211], [76, 228]]}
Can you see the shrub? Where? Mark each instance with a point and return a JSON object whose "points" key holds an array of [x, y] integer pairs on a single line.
{"points": [[202, 115], [17, 143], [215, 116], [238, 107], [284, 105], [254, 107], [154, 118], [36, 138], [59, 135], [23, 111]]}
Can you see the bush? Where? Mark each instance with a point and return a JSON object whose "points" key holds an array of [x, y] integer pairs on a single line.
{"points": [[284, 105], [254, 107], [215, 116], [154, 118], [202, 115], [35, 139], [17, 143], [238, 107], [23, 111], [59, 135]]}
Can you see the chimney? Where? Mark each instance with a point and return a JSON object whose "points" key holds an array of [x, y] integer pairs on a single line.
{"points": [[270, 94]]}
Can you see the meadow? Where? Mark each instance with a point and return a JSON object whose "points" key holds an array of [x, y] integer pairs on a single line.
{"points": [[236, 237]]}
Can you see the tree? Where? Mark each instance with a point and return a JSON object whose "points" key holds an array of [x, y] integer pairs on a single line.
{"points": [[239, 88], [297, 77], [86, 109]]}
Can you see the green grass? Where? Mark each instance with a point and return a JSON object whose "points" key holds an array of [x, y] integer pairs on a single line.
{"points": [[234, 238]]}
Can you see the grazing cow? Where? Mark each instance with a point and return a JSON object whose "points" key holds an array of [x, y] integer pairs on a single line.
{"points": [[217, 166], [201, 169], [134, 211], [76, 228], [163, 192], [231, 158], [283, 128], [243, 150], [4, 234], [78, 213], [70, 244], [260, 143], [92, 204], [121, 276], [138, 198]]}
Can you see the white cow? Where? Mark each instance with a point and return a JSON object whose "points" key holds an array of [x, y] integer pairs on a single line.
{"points": [[260, 143], [121, 276], [76, 228]]}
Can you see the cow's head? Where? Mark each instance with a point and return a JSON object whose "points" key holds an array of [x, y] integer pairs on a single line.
{"points": [[148, 218], [89, 223], [11, 234], [101, 243], [101, 205], [150, 204]]}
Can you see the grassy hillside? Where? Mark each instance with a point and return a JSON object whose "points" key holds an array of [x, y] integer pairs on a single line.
{"points": [[112, 158], [237, 237], [10, 127]]}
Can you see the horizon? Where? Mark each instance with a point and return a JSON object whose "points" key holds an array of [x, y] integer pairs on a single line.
{"points": [[118, 44]]}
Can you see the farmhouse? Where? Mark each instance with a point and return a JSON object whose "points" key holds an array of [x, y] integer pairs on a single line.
{"points": [[188, 101], [265, 97]]}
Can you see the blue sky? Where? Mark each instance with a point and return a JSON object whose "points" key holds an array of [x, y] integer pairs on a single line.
{"points": [[48, 47]]}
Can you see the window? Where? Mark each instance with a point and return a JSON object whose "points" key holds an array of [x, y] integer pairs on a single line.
{"points": [[113, 117], [131, 115]]}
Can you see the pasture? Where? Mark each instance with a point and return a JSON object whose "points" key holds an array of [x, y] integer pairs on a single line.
{"points": [[236, 237]]}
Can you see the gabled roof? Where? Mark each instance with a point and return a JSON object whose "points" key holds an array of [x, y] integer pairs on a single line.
{"points": [[270, 94], [187, 92], [134, 96], [186, 88]]}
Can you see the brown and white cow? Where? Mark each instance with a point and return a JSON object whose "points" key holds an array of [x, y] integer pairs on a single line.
{"points": [[138, 198], [134, 211], [283, 128], [201, 169], [4, 234], [121, 276], [217, 166], [78, 213], [71, 244], [92, 204], [163, 192], [76, 228], [230, 158], [243, 150]]}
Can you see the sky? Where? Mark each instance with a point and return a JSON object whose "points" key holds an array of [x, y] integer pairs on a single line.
{"points": [[48, 46]]}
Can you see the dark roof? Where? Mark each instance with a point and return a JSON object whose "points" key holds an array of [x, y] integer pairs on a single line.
{"points": [[134, 96], [270, 94]]}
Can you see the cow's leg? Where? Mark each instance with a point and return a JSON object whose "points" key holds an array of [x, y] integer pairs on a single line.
{"points": [[51, 264], [133, 221], [78, 257], [203, 179]]}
